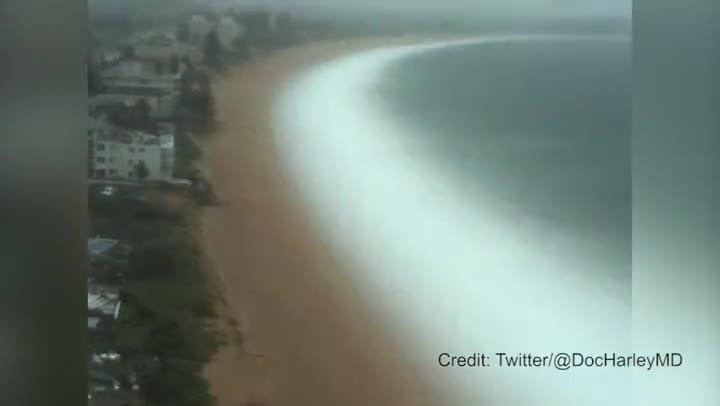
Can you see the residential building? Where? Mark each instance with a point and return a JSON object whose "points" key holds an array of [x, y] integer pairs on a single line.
{"points": [[152, 73], [166, 51], [162, 104], [121, 154]]}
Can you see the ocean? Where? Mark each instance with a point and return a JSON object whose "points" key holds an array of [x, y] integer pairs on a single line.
{"points": [[544, 127], [480, 193]]}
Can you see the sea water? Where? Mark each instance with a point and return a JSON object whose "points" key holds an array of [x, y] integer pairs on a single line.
{"points": [[480, 191]]}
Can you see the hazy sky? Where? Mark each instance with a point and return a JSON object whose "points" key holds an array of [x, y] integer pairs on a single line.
{"points": [[441, 8], [479, 7]]}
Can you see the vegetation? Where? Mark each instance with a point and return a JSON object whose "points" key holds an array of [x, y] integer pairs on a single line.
{"points": [[183, 32], [213, 51], [141, 171], [186, 154], [94, 80], [176, 383], [164, 328], [197, 107], [166, 301]]}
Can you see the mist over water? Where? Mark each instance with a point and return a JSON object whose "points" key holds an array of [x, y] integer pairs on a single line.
{"points": [[543, 127], [482, 201]]}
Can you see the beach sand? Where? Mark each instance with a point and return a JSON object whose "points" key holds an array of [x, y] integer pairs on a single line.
{"points": [[301, 335]]}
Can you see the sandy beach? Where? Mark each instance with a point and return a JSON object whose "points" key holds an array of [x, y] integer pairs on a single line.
{"points": [[301, 336]]}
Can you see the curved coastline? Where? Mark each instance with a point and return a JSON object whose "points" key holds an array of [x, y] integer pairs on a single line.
{"points": [[436, 269], [301, 334]]}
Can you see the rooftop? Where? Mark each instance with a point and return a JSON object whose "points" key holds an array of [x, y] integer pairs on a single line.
{"points": [[93, 322], [131, 137], [98, 246], [117, 90]]}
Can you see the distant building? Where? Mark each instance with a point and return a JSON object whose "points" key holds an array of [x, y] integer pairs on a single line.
{"points": [[162, 104], [121, 154], [198, 28], [163, 54], [111, 56], [141, 75], [228, 31]]}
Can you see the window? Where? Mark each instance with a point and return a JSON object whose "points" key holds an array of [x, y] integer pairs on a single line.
{"points": [[132, 149], [100, 173], [100, 159], [111, 159], [141, 149], [113, 147], [113, 172], [100, 147]]}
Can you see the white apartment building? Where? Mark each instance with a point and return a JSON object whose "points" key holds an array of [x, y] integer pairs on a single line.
{"points": [[140, 74], [116, 153]]}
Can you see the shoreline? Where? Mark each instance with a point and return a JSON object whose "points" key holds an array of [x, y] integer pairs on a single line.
{"points": [[306, 337]]}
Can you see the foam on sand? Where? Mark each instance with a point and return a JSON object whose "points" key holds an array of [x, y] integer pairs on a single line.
{"points": [[447, 273]]}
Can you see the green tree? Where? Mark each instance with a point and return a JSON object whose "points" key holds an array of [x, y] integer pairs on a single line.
{"points": [[143, 107], [213, 50], [196, 95], [183, 33], [174, 64], [141, 171], [94, 80], [162, 258]]}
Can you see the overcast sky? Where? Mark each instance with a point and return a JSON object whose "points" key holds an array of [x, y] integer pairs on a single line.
{"points": [[478, 7], [443, 8]]}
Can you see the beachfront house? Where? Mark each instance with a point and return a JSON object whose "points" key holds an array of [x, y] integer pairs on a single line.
{"points": [[149, 73], [162, 105], [116, 153]]}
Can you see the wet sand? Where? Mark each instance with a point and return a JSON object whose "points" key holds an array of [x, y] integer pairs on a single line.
{"points": [[301, 334]]}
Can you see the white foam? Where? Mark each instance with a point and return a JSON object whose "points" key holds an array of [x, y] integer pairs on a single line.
{"points": [[447, 273]]}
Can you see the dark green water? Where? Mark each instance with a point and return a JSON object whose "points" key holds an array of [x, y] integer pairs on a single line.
{"points": [[541, 127]]}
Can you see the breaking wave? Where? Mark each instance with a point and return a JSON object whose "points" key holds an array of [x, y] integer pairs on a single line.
{"points": [[445, 272]]}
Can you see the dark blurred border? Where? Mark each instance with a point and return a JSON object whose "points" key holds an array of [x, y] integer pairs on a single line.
{"points": [[676, 202], [43, 211], [676, 186]]}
